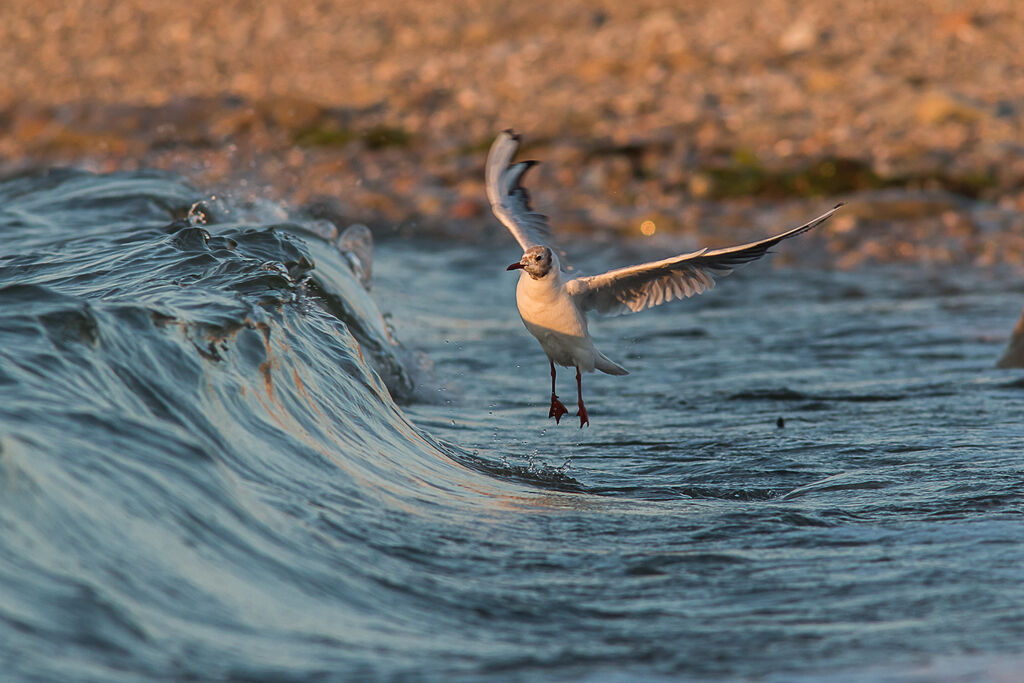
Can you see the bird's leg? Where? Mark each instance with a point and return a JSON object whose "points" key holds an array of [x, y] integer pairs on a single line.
{"points": [[579, 394], [557, 409]]}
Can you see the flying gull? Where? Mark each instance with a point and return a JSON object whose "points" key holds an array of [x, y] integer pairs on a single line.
{"points": [[554, 309]]}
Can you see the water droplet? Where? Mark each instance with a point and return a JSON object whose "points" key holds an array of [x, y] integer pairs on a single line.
{"points": [[198, 214]]}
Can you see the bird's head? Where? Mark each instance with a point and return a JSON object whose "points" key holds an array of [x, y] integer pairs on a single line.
{"points": [[537, 261]]}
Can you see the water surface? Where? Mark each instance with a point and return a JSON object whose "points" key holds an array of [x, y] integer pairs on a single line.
{"points": [[204, 471]]}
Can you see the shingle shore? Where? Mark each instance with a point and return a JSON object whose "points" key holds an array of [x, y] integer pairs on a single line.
{"points": [[716, 120]]}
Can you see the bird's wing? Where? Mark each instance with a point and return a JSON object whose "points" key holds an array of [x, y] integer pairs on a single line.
{"points": [[634, 288], [510, 201]]}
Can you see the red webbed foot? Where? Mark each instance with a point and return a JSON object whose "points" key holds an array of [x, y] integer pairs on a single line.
{"points": [[557, 409], [584, 419]]}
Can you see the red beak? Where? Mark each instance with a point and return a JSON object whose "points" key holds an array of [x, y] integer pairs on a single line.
{"points": [[515, 266]]}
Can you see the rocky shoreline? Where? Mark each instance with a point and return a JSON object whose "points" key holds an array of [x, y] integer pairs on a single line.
{"points": [[716, 121]]}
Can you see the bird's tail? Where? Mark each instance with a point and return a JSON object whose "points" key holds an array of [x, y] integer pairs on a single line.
{"points": [[609, 367]]}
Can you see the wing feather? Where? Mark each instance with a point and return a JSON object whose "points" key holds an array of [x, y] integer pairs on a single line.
{"points": [[635, 288], [510, 201]]}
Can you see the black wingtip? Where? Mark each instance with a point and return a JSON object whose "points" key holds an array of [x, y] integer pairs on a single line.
{"points": [[838, 205], [512, 134]]}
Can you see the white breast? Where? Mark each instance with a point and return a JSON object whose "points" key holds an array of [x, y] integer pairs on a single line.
{"points": [[550, 315]]}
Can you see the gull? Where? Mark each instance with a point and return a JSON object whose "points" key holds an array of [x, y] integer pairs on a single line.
{"points": [[554, 309]]}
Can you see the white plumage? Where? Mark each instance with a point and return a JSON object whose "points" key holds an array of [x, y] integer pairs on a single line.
{"points": [[554, 309]]}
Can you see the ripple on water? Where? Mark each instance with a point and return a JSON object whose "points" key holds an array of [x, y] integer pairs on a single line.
{"points": [[204, 472]]}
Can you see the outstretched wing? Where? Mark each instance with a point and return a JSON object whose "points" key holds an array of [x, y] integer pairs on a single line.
{"points": [[510, 201], [634, 288]]}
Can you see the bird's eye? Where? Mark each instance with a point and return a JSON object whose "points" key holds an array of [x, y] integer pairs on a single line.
{"points": [[536, 258]]}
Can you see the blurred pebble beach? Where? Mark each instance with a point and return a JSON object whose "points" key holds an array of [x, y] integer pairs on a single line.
{"points": [[702, 121]]}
